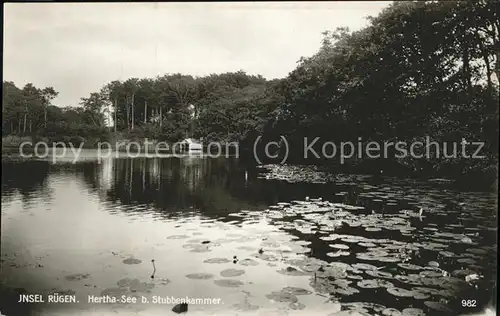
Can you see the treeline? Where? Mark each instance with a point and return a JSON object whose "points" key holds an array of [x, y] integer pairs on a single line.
{"points": [[419, 69], [28, 111], [222, 107]]}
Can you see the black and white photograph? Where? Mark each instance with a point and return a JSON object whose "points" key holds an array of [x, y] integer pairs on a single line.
{"points": [[239, 158]]}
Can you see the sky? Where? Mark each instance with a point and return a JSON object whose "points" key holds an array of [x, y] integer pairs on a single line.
{"points": [[79, 47]]}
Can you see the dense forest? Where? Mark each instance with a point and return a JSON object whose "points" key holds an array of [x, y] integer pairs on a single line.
{"points": [[419, 69]]}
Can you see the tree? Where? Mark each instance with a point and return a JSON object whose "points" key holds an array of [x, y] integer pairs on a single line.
{"points": [[48, 94]]}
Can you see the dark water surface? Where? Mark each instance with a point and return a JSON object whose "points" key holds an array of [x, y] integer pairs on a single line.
{"points": [[306, 242]]}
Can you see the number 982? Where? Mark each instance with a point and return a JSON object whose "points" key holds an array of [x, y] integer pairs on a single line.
{"points": [[468, 303]]}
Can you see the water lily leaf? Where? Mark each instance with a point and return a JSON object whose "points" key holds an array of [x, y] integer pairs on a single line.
{"points": [[379, 274], [466, 261], [295, 290], [367, 244], [399, 292], [437, 306], [77, 276], [345, 291], [364, 266], [413, 312], [338, 253], [228, 283], [374, 283], [373, 229], [340, 246], [365, 307], [391, 312], [292, 272], [131, 261], [447, 254], [178, 237], [420, 296], [296, 306], [200, 276], [433, 264], [409, 266], [431, 274], [228, 273], [248, 262], [477, 251], [349, 313], [282, 297], [217, 260]]}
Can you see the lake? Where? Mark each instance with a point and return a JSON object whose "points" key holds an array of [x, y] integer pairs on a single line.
{"points": [[256, 240]]}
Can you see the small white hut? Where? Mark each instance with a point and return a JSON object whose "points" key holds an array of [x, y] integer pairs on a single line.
{"points": [[190, 145]]}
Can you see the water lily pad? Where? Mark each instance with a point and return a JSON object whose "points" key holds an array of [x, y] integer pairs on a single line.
{"points": [[228, 283], [364, 266], [391, 312], [346, 291], [295, 290], [352, 240], [228, 273], [126, 282], [217, 260], [374, 283], [114, 292], [433, 264], [476, 251], [409, 266], [431, 274], [338, 253], [447, 254], [462, 272], [292, 271], [138, 286], [379, 274], [178, 237], [399, 292], [389, 259], [367, 244], [349, 313], [413, 312], [437, 306], [248, 262], [200, 276], [420, 296], [131, 261], [282, 297], [373, 229], [77, 277], [296, 306], [340, 246], [267, 257]]}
